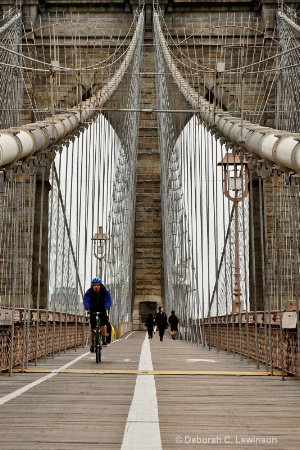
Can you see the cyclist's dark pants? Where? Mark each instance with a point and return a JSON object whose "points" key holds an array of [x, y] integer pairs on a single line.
{"points": [[103, 319]]}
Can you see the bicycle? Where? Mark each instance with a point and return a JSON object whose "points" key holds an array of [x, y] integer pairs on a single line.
{"points": [[98, 338], [97, 343]]}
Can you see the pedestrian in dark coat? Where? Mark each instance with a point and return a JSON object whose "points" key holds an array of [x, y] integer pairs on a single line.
{"points": [[173, 322], [149, 324], [161, 321]]}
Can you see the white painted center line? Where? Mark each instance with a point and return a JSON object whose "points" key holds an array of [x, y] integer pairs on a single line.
{"points": [[142, 428]]}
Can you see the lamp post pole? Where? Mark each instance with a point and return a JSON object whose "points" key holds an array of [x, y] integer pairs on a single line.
{"points": [[236, 181], [237, 287]]}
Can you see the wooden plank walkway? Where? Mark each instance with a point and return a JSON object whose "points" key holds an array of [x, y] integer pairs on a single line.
{"points": [[206, 399]]}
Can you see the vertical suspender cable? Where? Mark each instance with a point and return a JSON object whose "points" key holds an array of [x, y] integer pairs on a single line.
{"points": [[65, 292], [39, 264], [15, 200], [201, 221], [208, 243], [91, 148], [278, 239], [252, 256], [28, 296], [296, 264], [85, 174], [267, 275], [61, 290], [261, 206], [225, 236], [213, 147], [70, 294], [89, 206], [57, 178], [49, 258], [79, 171]]}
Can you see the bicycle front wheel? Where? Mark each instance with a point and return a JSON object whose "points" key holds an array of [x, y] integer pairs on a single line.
{"points": [[98, 346], [98, 353]]}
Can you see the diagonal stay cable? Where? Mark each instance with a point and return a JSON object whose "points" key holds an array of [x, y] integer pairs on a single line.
{"points": [[222, 258], [67, 227]]}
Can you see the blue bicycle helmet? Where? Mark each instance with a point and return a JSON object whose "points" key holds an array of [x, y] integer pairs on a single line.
{"points": [[96, 281]]}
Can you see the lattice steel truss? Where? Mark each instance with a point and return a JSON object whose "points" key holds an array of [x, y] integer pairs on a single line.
{"points": [[10, 74]]}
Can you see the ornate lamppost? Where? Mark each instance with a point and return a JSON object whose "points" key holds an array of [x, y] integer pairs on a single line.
{"points": [[235, 179], [99, 240]]}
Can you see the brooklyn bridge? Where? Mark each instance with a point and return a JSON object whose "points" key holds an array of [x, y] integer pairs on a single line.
{"points": [[154, 145]]}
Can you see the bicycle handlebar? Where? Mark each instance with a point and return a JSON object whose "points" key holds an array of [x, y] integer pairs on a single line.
{"points": [[88, 312]]}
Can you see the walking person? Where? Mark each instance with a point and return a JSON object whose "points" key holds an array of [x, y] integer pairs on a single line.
{"points": [[149, 325], [161, 321], [173, 322]]}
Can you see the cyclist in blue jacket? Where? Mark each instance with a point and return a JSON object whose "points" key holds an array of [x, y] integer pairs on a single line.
{"points": [[97, 299]]}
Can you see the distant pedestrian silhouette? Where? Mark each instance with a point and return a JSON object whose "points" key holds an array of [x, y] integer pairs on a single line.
{"points": [[173, 322], [161, 321], [149, 324]]}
